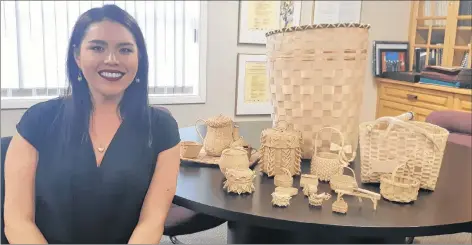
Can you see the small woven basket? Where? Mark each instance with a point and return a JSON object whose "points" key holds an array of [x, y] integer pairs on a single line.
{"points": [[397, 187], [326, 164], [317, 199], [316, 75], [389, 140], [309, 189], [280, 148], [239, 181], [190, 149], [344, 182], [284, 180]]}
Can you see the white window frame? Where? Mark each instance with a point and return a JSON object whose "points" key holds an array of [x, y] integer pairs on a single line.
{"points": [[154, 99]]}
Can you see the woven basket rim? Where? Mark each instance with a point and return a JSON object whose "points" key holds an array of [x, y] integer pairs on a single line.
{"points": [[318, 26], [386, 179]]}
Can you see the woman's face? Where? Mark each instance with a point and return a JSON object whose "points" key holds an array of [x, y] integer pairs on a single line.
{"points": [[108, 59]]}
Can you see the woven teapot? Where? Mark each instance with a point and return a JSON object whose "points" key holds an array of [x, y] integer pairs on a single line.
{"points": [[280, 149], [221, 132], [234, 157]]}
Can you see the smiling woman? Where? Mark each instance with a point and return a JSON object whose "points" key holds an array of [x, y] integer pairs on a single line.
{"points": [[98, 165]]}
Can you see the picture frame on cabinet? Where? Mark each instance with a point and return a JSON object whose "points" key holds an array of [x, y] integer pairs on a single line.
{"points": [[256, 18], [389, 46], [253, 95]]}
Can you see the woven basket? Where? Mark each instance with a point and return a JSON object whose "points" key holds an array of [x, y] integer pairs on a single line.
{"points": [[280, 148], [284, 180], [344, 182], [326, 164], [317, 199], [239, 180], [396, 188], [316, 75], [388, 141]]}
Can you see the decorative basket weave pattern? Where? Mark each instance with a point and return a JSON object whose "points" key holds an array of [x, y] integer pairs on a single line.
{"points": [[284, 180], [316, 75], [326, 164], [219, 135], [399, 188], [344, 182], [239, 180], [421, 144], [280, 148]]}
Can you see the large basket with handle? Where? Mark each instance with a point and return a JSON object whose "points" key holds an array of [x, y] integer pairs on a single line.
{"points": [[316, 75], [328, 162], [389, 141]]}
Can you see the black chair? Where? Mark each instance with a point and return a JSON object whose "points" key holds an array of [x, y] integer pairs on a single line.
{"points": [[5, 143], [180, 221]]}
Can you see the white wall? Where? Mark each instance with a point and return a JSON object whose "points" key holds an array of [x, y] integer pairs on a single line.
{"points": [[223, 50]]}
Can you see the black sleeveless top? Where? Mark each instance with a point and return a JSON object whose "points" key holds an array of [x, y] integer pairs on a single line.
{"points": [[78, 202]]}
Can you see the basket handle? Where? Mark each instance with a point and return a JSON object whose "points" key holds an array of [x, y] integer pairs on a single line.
{"points": [[352, 171], [394, 172], [393, 121], [334, 129], [196, 128]]}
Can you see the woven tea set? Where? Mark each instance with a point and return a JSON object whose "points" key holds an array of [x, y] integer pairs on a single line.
{"points": [[316, 76], [222, 145]]}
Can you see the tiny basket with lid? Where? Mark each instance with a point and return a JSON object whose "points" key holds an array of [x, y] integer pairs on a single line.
{"points": [[280, 148], [399, 186]]}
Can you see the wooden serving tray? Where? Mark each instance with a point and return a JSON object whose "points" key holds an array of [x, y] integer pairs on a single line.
{"points": [[211, 161]]}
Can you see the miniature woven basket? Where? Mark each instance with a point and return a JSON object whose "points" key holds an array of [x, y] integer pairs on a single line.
{"points": [[281, 199], [284, 180], [309, 189], [317, 199], [308, 179], [389, 140], [239, 180], [190, 149], [316, 75], [326, 164], [398, 187], [343, 181], [280, 148]]}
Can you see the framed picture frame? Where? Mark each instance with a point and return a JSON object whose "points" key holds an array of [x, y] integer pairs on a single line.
{"points": [[392, 47], [256, 18], [393, 60], [253, 95]]}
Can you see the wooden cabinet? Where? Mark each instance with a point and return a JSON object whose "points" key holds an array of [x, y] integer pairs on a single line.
{"points": [[443, 31], [397, 97]]}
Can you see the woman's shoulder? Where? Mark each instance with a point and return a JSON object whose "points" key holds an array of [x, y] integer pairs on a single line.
{"points": [[38, 120], [46, 108], [161, 115], [165, 129]]}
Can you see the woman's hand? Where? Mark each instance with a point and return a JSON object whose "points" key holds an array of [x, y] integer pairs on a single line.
{"points": [[158, 198], [19, 209]]}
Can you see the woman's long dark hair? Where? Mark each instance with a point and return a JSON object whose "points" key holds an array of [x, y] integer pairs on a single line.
{"points": [[78, 104]]}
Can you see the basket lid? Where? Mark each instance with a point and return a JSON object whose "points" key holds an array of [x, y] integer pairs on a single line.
{"points": [[318, 26], [219, 121], [281, 136]]}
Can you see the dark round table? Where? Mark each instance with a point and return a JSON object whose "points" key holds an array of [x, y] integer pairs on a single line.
{"points": [[253, 219]]}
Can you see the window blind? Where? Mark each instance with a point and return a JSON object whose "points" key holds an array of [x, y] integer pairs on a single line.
{"points": [[35, 35]]}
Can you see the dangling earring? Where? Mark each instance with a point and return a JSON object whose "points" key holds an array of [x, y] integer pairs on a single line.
{"points": [[79, 77], [137, 80]]}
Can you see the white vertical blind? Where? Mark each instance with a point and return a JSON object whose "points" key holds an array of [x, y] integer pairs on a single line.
{"points": [[35, 35]]}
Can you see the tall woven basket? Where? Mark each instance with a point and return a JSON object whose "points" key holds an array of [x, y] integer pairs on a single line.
{"points": [[389, 141], [316, 75]]}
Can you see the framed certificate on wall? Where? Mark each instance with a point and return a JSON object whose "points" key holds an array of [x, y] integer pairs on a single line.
{"points": [[256, 18], [252, 88]]}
